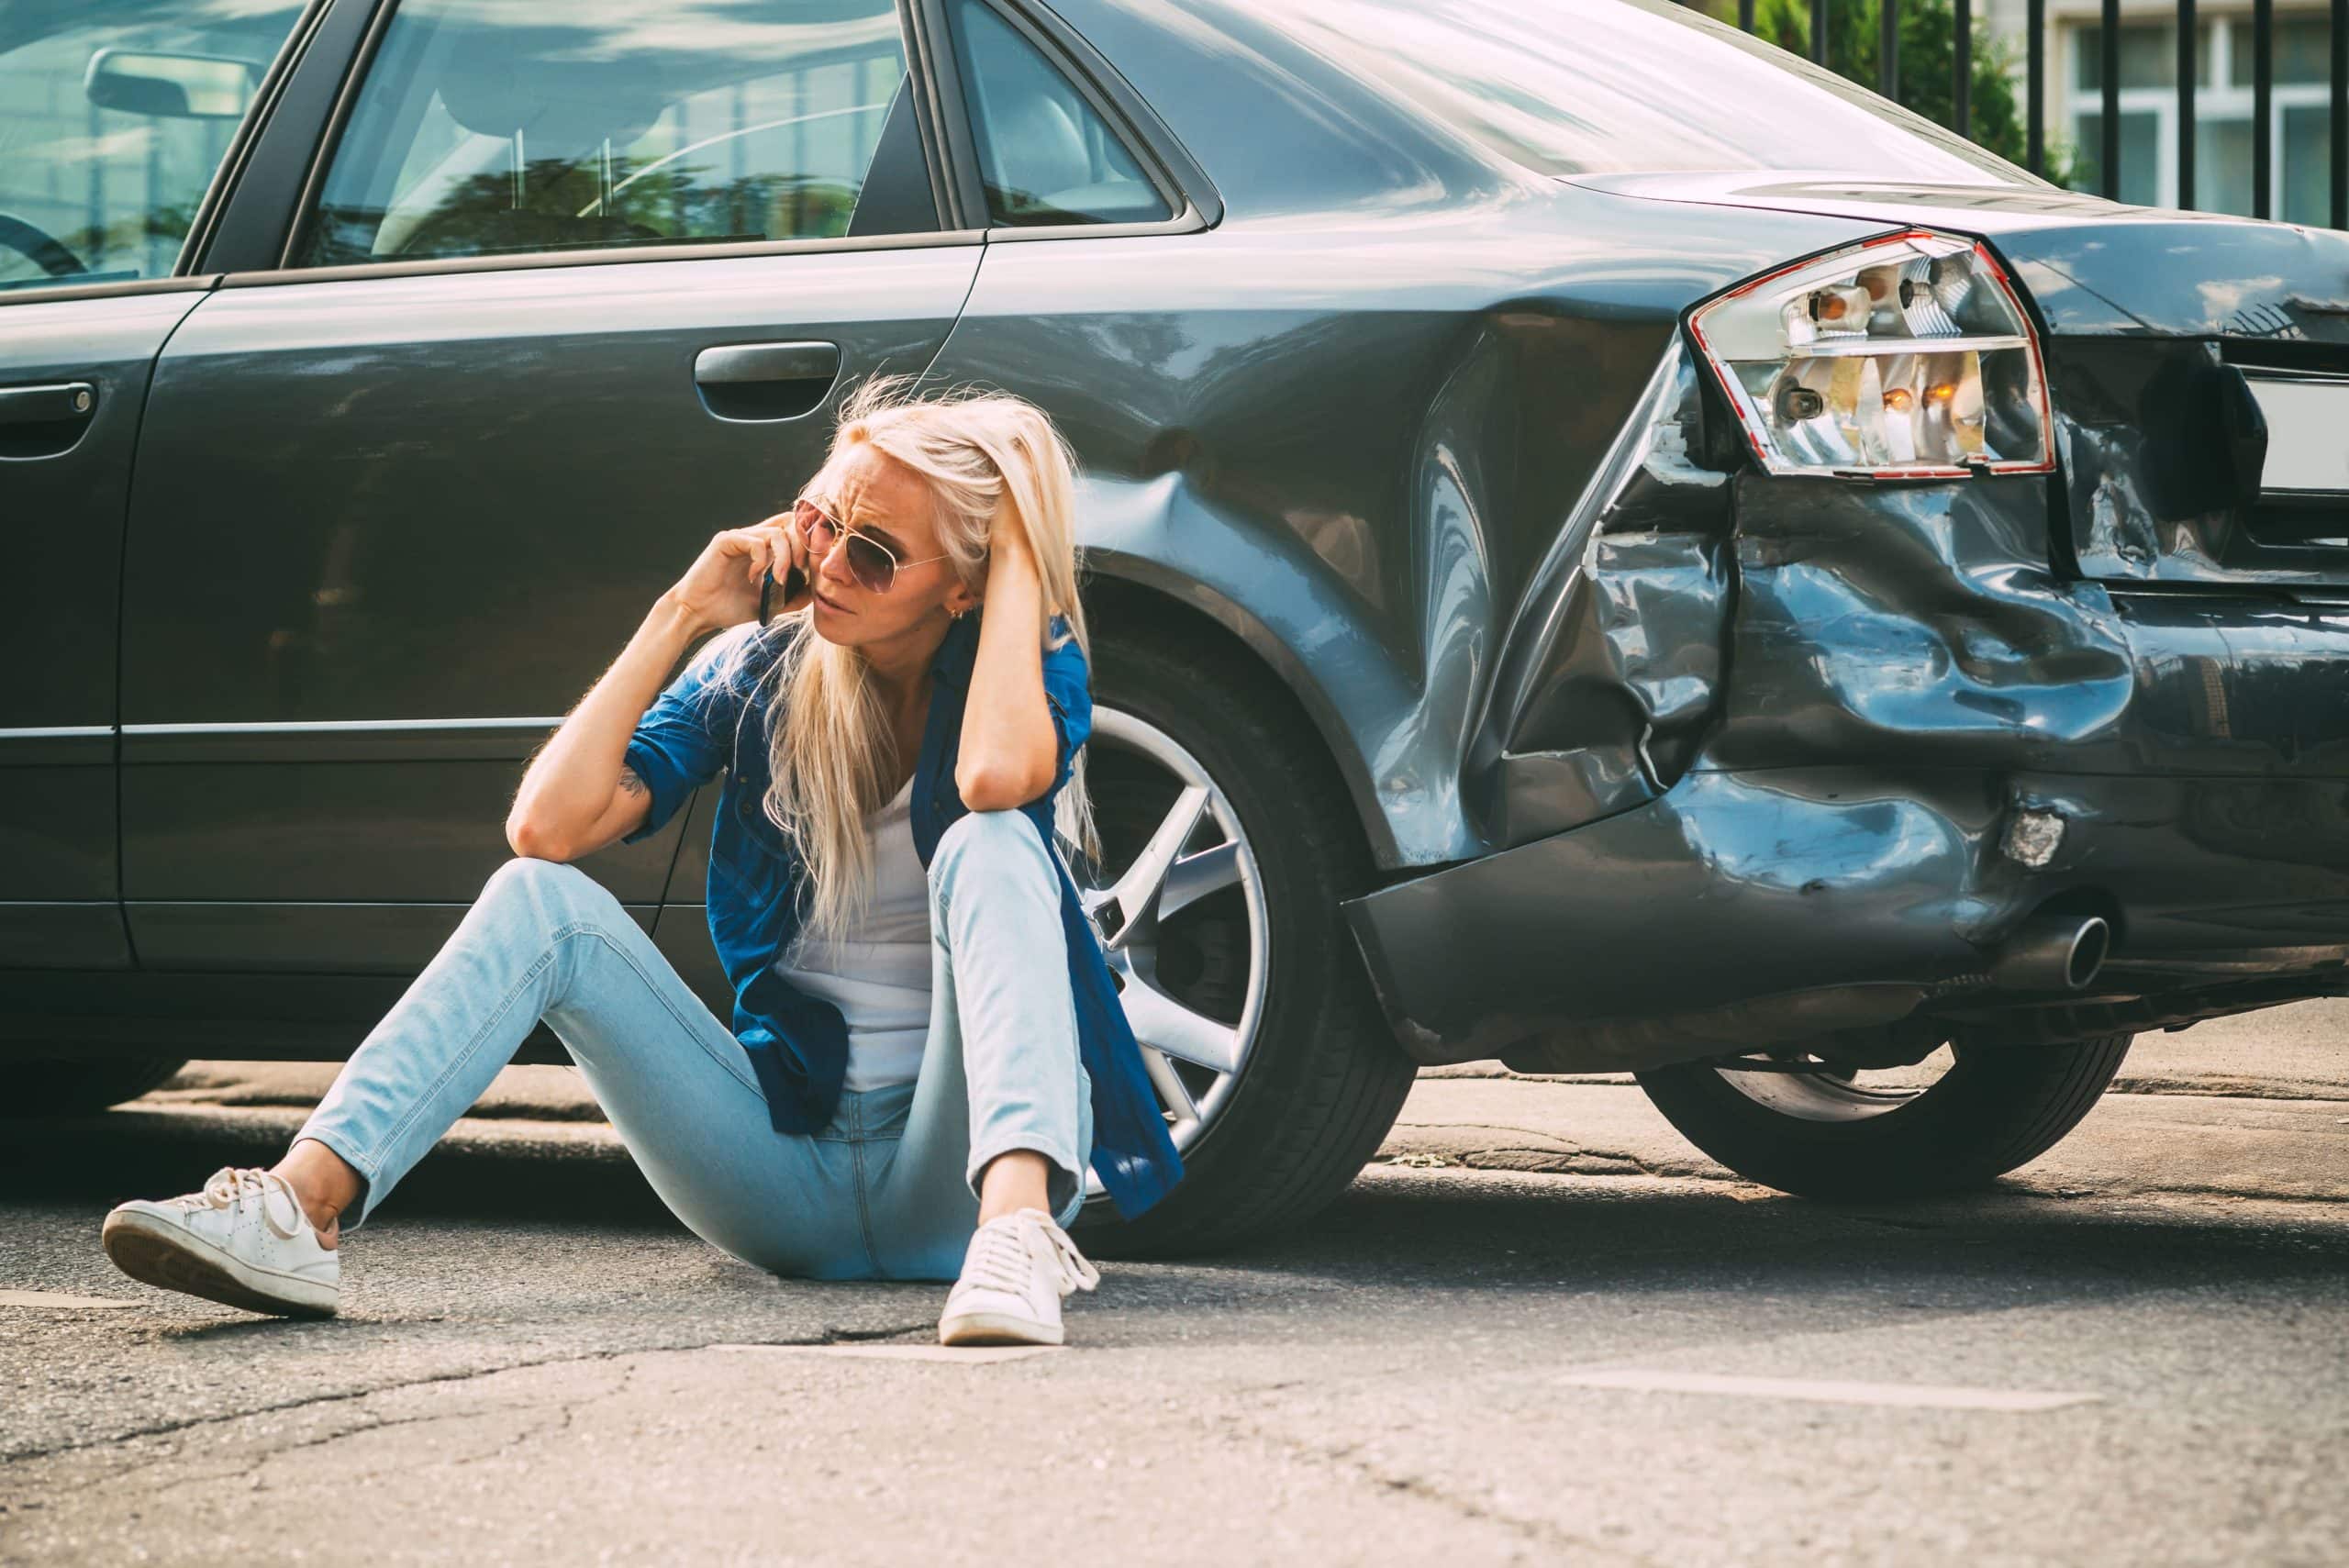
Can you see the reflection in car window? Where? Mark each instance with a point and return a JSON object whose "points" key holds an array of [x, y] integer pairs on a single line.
{"points": [[1623, 86], [486, 127], [1044, 155], [112, 124]]}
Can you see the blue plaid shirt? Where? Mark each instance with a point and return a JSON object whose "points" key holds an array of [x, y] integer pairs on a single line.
{"points": [[798, 1043]]}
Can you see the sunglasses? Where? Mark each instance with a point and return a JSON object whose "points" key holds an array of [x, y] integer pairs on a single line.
{"points": [[870, 561]]}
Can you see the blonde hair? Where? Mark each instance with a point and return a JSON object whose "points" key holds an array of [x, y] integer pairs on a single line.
{"points": [[982, 455]]}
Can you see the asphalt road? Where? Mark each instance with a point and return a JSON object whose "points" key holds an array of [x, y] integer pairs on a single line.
{"points": [[2135, 1363]]}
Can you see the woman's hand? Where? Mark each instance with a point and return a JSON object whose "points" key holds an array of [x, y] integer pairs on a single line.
{"points": [[1007, 540], [721, 587]]}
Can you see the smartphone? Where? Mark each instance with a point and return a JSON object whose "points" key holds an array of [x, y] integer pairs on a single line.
{"points": [[794, 581]]}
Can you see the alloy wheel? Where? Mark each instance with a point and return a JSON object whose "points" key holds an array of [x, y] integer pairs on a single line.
{"points": [[1179, 905]]}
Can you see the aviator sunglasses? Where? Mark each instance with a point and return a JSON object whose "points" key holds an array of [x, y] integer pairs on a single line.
{"points": [[871, 562]]}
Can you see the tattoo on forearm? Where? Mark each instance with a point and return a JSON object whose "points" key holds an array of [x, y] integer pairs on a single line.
{"points": [[629, 782]]}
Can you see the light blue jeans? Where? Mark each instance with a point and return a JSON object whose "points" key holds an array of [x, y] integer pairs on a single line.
{"points": [[889, 1190]]}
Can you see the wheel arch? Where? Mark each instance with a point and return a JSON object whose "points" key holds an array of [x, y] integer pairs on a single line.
{"points": [[1136, 594]]}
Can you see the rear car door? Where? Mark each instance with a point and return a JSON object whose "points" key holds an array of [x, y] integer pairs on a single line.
{"points": [[116, 117], [570, 289]]}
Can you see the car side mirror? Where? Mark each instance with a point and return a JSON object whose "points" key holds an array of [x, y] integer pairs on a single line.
{"points": [[170, 86]]}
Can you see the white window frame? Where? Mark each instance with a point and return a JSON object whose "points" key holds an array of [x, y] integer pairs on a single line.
{"points": [[2215, 99]]}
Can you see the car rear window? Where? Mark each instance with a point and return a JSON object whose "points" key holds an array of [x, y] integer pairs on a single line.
{"points": [[1044, 155], [1626, 86]]}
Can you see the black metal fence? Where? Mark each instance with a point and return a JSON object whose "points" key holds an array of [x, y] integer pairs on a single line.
{"points": [[2109, 160]]}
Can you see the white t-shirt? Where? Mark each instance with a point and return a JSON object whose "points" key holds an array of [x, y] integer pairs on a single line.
{"points": [[878, 974]]}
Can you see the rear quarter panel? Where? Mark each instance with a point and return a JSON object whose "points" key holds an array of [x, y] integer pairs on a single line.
{"points": [[1350, 422]]}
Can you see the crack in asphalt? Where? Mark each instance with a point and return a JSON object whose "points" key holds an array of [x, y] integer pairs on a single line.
{"points": [[566, 1414], [246, 1464], [1223, 1423], [1344, 1457], [830, 1336]]}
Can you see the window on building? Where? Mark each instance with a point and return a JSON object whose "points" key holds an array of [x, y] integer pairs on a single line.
{"points": [[2302, 49], [2140, 155], [2148, 54], [2300, 188]]}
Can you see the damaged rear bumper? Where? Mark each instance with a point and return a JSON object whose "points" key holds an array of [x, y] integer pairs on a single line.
{"points": [[1742, 910]]}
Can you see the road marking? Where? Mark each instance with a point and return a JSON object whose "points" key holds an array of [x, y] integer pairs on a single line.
{"points": [[908, 1352], [1830, 1391], [57, 1298]]}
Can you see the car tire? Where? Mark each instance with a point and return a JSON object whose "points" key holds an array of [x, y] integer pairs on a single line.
{"points": [[58, 1086], [1322, 1078], [1996, 1108]]}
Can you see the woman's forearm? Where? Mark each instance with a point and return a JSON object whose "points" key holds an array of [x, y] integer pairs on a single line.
{"points": [[572, 779], [1009, 748]]}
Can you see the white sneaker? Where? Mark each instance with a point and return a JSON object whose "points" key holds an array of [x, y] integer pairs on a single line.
{"points": [[243, 1240], [1014, 1274]]}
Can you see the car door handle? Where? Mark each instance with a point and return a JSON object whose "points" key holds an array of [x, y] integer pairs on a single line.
{"points": [[766, 381], [45, 421], [741, 363], [50, 405]]}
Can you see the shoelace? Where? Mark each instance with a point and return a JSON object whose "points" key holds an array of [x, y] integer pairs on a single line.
{"points": [[231, 1185], [1001, 1262]]}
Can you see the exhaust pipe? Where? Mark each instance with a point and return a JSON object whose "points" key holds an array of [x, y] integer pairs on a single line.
{"points": [[2052, 952]]}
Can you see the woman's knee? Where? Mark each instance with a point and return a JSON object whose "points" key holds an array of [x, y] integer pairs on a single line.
{"points": [[528, 899], [1003, 841], [551, 886]]}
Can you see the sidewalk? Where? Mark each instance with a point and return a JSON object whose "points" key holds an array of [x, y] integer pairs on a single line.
{"points": [[2256, 1107]]}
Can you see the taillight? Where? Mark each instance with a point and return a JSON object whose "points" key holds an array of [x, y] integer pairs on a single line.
{"points": [[1904, 357]]}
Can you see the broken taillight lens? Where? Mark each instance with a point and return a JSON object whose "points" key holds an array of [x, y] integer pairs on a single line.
{"points": [[1905, 357]]}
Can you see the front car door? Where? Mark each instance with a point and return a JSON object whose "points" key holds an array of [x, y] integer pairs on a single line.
{"points": [[116, 117], [569, 290]]}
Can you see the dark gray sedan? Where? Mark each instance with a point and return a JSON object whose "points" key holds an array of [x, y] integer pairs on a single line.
{"points": [[1610, 548]]}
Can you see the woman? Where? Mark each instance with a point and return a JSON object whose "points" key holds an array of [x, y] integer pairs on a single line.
{"points": [[926, 1051]]}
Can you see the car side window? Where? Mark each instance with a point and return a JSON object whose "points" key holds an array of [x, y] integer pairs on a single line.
{"points": [[114, 118], [488, 128], [1045, 155]]}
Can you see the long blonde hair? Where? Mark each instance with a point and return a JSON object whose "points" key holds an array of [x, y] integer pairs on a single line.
{"points": [[982, 455]]}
